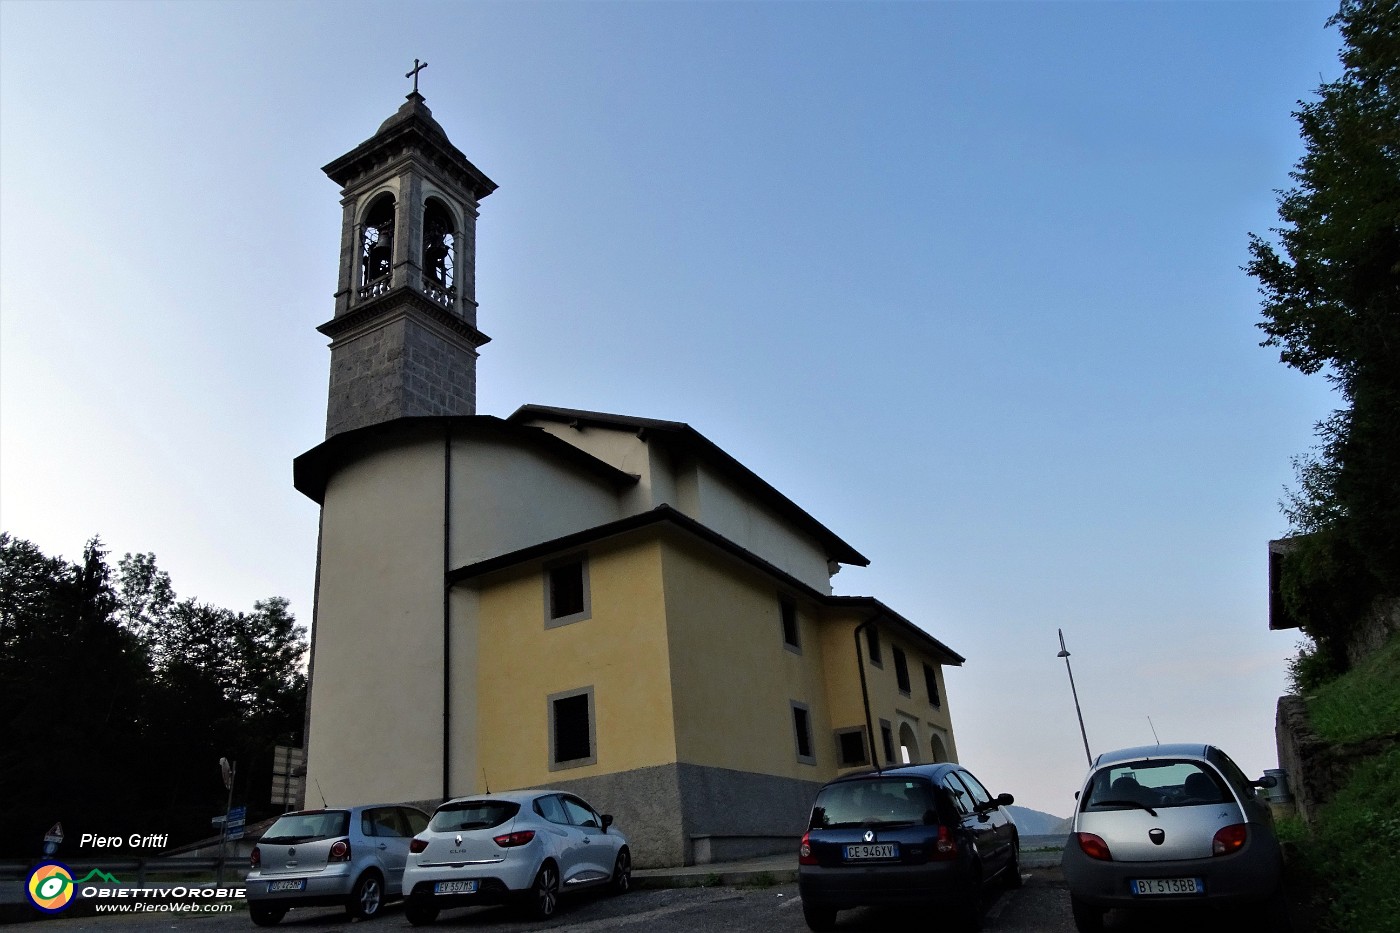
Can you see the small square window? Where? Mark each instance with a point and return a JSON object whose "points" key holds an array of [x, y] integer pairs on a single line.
{"points": [[931, 682], [850, 747], [571, 737], [901, 670], [872, 643], [791, 633], [802, 732], [566, 592]]}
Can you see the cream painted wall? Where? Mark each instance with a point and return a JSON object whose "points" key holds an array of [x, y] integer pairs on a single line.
{"points": [[375, 722], [629, 453], [733, 681], [619, 651], [727, 510], [506, 497], [704, 495]]}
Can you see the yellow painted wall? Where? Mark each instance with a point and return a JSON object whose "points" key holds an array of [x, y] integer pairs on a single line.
{"points": [[733, 679], [620, 651], [377, 675], [886, 701]]}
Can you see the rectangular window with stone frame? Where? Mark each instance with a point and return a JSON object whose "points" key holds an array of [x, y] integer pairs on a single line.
{"points": [[573, 741], [802, 732], [850, 747], [566, 591]]}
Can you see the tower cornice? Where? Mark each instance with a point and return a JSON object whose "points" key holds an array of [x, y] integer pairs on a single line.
{"points": [[411, 129], [402, 299]]}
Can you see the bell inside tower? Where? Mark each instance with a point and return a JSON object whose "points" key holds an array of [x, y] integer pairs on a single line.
{"points": [[439, 252], [377, 247]]}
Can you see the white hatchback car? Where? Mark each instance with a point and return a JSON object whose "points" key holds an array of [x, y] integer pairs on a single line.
{"points": [[525, 846]]}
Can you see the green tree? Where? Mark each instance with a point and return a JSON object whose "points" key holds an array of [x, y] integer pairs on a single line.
{"points": [[118, 699], [73, 692], [1331, 304]]}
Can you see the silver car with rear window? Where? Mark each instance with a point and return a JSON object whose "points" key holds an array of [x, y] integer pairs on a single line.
{"points": [[1167, 826], [350, 856], [522, 847]]}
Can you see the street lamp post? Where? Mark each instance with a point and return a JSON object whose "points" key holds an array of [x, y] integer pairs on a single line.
{"points": [[1064, 653]]}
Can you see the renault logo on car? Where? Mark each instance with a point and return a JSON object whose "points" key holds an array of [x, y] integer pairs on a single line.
{"points": [[870, 835]]}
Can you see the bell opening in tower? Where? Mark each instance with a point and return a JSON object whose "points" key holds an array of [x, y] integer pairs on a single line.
{"points": [[377, 247], [439, 253]]}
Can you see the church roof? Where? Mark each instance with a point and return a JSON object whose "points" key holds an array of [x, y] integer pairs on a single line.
{"points": [[313, 469], [868, 606], [681, 437]]}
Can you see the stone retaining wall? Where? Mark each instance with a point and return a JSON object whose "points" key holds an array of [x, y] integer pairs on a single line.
{"points": [[1317, 769]]}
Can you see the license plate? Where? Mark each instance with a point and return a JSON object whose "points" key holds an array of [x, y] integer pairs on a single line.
{"points": [[455, 887], [298, 885], [1151, 886], [863, 852]]}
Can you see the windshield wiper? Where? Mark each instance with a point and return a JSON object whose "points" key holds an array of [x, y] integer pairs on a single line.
{"points": [[1122, 803]]}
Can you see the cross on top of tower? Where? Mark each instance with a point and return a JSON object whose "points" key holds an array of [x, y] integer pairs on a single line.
{"points": [[417, 67]]}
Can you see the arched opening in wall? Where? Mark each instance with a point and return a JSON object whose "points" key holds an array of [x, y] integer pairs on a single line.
{"points": [[937, 748], [439, 252], [377, 247], [908, 745]]}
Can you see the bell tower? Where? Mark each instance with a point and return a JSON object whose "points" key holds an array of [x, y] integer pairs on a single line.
{"points": [[404, 338]]}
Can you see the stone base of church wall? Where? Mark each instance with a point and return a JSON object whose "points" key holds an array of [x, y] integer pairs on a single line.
{"points": [[686, 814]]}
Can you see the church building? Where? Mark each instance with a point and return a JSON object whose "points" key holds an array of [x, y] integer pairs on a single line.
{"points": [[608, 604]]}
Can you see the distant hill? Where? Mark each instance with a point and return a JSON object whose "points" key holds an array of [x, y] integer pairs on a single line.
{"points": [[1035, 823]]}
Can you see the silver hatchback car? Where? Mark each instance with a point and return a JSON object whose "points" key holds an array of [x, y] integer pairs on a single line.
{"points": [[1167, 826], [352, 856]]}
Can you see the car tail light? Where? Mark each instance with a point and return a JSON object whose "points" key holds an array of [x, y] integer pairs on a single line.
{"points": [[340, 851], [1229, 839], [255, 859], [1094, 846], [805, 855], [945, 846], [511, 840], [417, 845]]}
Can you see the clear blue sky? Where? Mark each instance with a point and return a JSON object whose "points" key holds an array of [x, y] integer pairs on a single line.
{"points": [[962, 279]]}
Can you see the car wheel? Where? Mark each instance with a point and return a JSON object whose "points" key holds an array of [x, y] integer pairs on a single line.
{"points": [[267, 916], [367, 896], [419, 915], [1087, 918], [969, 911], [819, 919], [544, 893], [622, 873], [1013, 870], [1275, 916]]}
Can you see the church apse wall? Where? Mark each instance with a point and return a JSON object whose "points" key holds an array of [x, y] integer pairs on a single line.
{"points": [[378, 629]]}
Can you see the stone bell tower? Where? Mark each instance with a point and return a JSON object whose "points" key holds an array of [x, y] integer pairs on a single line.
{"points": [[404, 338]]}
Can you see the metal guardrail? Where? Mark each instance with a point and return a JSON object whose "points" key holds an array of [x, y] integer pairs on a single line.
{"points": [[139, 870]]}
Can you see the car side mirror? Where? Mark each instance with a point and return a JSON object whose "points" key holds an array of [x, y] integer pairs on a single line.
{"points": [[607, 821], [1004, 800], [1267, 780]]}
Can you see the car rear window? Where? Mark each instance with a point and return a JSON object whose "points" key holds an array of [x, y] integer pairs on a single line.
{"points": [[874, 802], [1155, 783], [472, 814], [293, 828]]}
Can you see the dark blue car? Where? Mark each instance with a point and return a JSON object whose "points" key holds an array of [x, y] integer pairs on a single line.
{"points": [[920, 835]]}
